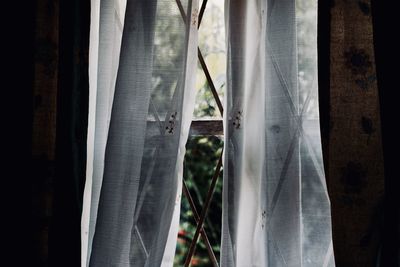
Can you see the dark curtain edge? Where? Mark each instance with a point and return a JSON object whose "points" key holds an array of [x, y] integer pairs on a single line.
{"points": [[385, 46], [324, 31], [386, 49], [323, 44], [71, 133]]}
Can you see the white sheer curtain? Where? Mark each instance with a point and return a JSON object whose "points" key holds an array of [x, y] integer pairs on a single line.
{"points": [[276, 210], [141, 104]]}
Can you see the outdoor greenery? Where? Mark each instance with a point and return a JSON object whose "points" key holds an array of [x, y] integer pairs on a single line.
{"points": [[201, 159], [212, 45], [202, 153]]}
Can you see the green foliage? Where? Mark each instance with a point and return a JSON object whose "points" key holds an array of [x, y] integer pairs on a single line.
{"points": [[306, 16], [202, 154], [212, 46]]}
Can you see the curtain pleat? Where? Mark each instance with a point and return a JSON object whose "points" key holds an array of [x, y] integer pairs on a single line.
{"points": [[139, 129], [105, 44], [276, 209]]}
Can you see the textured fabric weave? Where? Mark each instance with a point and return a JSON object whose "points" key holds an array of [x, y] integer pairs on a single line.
{"points": [[276, 206], [276, 210], [142, 97], [354, 156]]}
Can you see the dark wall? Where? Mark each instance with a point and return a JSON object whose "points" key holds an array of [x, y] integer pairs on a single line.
{"points": [[16, 130], [387, 57]]}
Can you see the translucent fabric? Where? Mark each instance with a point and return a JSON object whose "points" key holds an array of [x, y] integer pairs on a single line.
{"points": [[141, 105], [276, 210]]}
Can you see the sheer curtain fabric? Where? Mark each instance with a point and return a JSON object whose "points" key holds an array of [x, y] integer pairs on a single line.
{"points": [[141, 101], [276, 210]]}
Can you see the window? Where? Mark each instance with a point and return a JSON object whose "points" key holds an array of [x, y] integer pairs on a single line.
{"points": [[202, 167], [163, 97], [203, 161]]}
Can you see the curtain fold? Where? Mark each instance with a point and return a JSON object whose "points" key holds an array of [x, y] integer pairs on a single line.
{"points": [[276, 209], [105, 44], [138, 134]]}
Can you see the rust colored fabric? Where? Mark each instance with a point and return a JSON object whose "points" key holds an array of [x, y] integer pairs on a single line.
{"points": [[353, 151], [59, 122], [44, 123]]}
